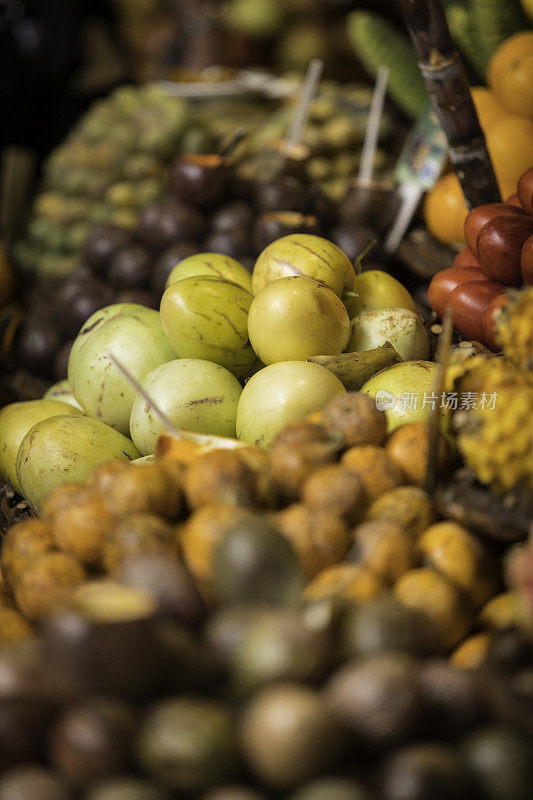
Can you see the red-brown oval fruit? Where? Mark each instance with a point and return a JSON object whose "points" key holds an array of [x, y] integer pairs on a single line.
{"points": [[445, 281], [479, 217], [489, 321], [465, 258], [469, 301], [525, 190], [526, 261], [499, 246], [514, 200]]}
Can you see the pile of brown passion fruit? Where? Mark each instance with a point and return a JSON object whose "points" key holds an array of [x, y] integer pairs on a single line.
{"points": [[285, 624]]}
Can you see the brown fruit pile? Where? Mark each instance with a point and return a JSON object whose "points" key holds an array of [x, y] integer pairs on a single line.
{"points": [[298, 618]]}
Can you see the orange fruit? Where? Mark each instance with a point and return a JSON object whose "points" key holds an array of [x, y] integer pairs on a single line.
{"points": [[510, 74], [487, 106], [513, 49], [510, 143], [445, 209]]}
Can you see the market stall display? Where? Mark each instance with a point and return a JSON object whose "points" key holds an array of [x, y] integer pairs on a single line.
{"points": [[266, 488]]}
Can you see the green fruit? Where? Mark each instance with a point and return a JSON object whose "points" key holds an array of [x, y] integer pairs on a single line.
{"points": [[16, 420], [282, 393], [214, 265], [289, 735], [256, 18], [331, 789], [206, 317], [189, 743], [404, 392], [254, 562], [62, 449], [280, 646], [134, 335], [126, 788], [196, 395], [294, 318], [494, 21], [402, 328], [374, 290], [499, 758], [61, 391], [308, 256], [376, 43]]}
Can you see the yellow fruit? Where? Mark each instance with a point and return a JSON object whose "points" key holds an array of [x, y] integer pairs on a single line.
{"points": [[472, 652], [510, 144], [445, 209], [514, 48], [527, 5], [510, 74], [487, 106], [515, 329]]}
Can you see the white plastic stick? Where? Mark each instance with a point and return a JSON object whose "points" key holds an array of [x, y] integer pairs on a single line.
{"points": [[370, 143], [307, 93]]}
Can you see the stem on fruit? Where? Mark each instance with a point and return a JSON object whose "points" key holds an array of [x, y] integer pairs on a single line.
{"points": [[307, 93], [236, 138], [449, 90], [443, 358], [366, 168]]}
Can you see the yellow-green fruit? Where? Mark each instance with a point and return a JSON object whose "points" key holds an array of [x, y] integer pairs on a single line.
{"points": [[401, 327], [213, 264], [404, 391], [133, 334], [196, 395], [65, 449], [496, 439], [376, 289], [515, 329], [282, 393], [205, 317], [16, 420], [308, 256], [62, 391], [294, 318]]}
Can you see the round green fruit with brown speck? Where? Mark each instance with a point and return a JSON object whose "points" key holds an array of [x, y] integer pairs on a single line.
{"points": [[206, 317], [307, 256], [66, 449], [16, 420], [195, 395], [133, 334], [214, 265]]}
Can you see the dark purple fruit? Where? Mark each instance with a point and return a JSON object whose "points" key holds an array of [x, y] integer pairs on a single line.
{"points": [[61, 360], [101, 244], [424, 772], [238, 214], [353, 239], [169, 221], [140, 296], [234, 243], [373, 204], [452, 698], [284, 193], [199, 179], [275, 224], [77, 300], [130, 267], [37, 345], [166, 263], [323, 207]]}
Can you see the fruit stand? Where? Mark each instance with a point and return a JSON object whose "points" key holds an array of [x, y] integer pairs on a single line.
{"points": [[266, 412]]}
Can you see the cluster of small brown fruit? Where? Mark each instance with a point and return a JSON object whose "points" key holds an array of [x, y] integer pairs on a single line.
{"points": [[233, 588]]}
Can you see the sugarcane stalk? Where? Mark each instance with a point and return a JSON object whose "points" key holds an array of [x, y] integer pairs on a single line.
{"points": [[447, 84]]}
